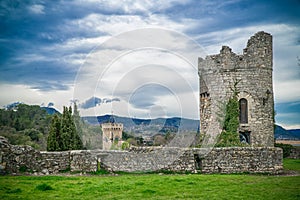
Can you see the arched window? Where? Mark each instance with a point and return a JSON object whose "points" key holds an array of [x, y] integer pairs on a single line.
{"points": [[243, 111]]}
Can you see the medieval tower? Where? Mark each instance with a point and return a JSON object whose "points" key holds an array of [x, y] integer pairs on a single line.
{"points": [[251, 75], [111, 134]]}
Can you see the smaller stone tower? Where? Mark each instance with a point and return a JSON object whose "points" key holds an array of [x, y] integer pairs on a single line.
{"points": [[112, 134]]}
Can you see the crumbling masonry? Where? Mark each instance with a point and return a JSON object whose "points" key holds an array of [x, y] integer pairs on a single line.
{"points": [[252, 74]]}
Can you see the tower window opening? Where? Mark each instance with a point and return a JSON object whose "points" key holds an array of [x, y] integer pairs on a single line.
{"points": [[243, 105], [245, 137]]}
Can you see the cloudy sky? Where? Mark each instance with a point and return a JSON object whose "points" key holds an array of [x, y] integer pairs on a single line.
{"points": [[138, 58]]}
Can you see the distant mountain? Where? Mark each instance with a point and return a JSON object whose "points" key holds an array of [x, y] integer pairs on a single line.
{"points": [[283, 134], [148, 126], [163, 125], [14, 106], [50, 111], [295, 132]]}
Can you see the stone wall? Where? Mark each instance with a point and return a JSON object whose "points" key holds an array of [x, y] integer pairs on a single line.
{"points": [[295, 153], [18, 159], [242, 159]]}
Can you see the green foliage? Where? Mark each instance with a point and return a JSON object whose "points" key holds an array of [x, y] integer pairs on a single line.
{"points": [[125, 145], [229, 136], [132, 141], [31, 124], [228, 139], [23, 168], [63, 134], [231, 122], [100, 172], [65, 170], [54, 137], [33, 134], [126, 136], [12, 191], [286, 148], [43, 187], [25, 125]]}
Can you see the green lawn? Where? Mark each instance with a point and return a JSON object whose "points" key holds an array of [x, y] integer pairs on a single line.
{"points": [[291, 164], [153, 186]]}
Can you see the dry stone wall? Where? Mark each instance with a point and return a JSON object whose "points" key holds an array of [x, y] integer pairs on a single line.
{"points": [[295, 153], [242, 159], [18, 159]]}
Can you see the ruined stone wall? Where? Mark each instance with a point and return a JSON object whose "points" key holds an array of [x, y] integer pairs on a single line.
{"points": [[242, 159], [18, 159], [295, 153], [253, 73]]}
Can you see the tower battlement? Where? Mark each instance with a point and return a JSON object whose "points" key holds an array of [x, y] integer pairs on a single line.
{"points": [[112, 134]]}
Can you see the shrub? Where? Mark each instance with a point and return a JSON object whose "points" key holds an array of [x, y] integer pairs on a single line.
{"points": [[43, 187], [100, 172], [125, 145], [11, 191], [286, 149], [22, 168]]}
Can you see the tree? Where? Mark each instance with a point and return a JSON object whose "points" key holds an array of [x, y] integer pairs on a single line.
{"points": [[78, 128], [70, 137], [54, 136], [33, 134], [77, 120], [63, 135], [66, 130]]}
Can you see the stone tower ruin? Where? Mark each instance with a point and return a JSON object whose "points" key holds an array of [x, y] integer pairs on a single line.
{"points": [[111, 134], [252, 74]]}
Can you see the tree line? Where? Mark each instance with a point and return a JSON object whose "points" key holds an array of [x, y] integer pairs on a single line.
{"points": [[31, 125], [25, 125]]}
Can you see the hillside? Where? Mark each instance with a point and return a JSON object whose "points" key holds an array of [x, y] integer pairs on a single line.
{"points": [[148, 126], [29, 124], [25, 124], [162, 125], [283, 134]]}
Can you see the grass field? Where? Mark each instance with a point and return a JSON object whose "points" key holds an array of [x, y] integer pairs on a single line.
{"points": [[154, 186]]}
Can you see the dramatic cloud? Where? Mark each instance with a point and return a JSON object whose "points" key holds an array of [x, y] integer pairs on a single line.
{"points": [[95, 101]]}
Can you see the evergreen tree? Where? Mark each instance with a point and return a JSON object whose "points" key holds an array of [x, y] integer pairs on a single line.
{"points": [[65, 130], [77, 142], [63, 135], [54, 136], [77, 120]]}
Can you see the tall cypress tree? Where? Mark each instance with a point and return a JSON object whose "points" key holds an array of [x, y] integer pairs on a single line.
{"points": [[54, 136], [78, 129], [77, 120], [63, 134], [65, 130]]}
